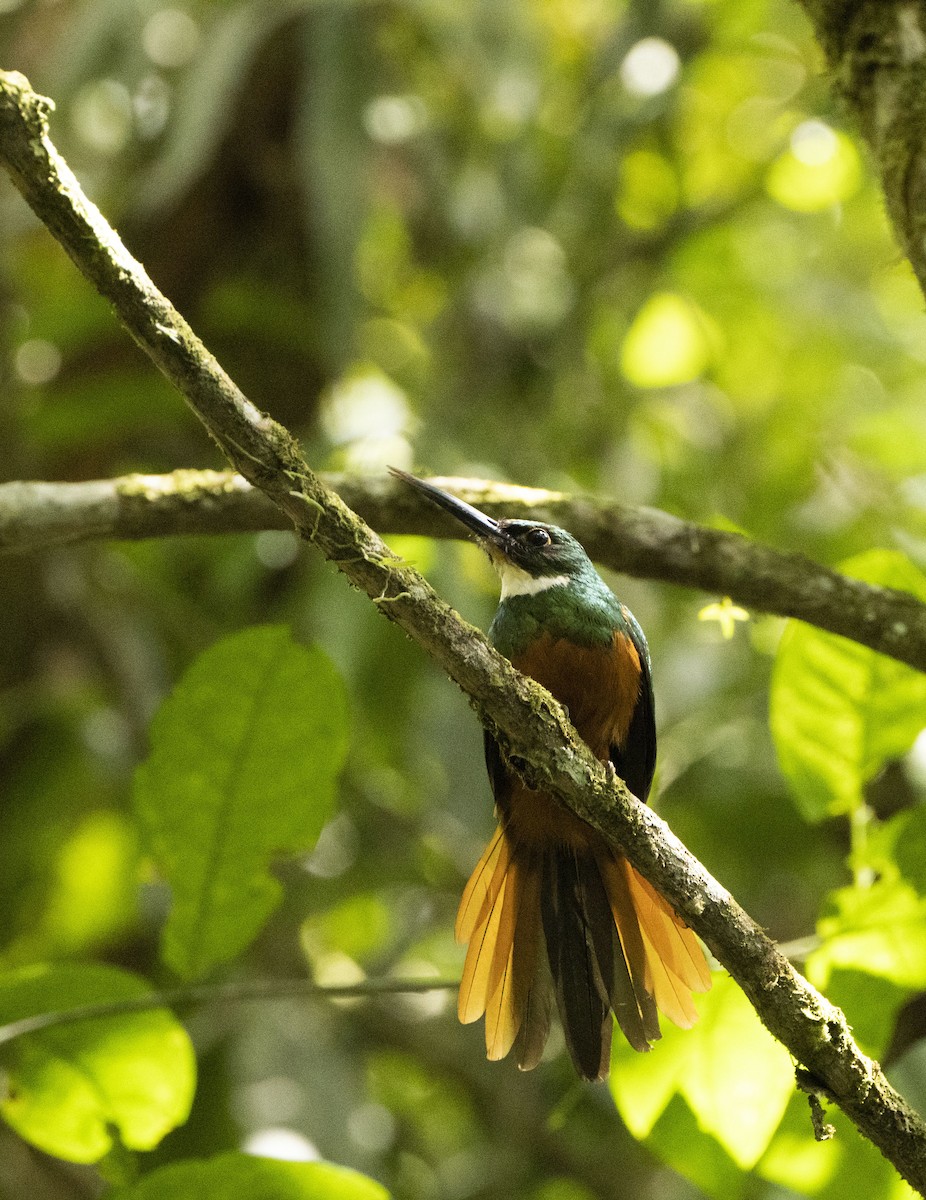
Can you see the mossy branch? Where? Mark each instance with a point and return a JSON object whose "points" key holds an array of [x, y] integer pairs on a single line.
{"points": [[530, 724], [641, 542], [876, 51]]}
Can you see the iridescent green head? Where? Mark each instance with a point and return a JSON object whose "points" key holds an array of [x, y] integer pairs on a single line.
{"points": [[530, 556]]}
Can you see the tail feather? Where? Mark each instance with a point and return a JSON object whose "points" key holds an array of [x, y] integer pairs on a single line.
{"points": [[514, 965], [672, 996], [538, 1004], [611, 941], [474, 985], [617, 963], [632, 959], [581, 997], [502, 1010], [476, 893], [508, 904], [670, 964], [673, 941], [595, 914]]}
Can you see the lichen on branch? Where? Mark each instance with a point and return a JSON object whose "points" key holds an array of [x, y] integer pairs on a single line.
{"points": [[640, 542]]}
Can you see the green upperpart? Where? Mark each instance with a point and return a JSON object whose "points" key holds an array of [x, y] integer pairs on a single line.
{"points": [[578, 606]]}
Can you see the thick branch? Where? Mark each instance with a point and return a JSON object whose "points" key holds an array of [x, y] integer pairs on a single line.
{"points": [[876, 50], [640, 542], [532, 726]]}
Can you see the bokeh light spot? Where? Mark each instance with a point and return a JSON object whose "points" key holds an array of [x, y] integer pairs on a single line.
{"points": [[170, 38], [667, 343], [37, 361], [650, 67], [820, 168]]}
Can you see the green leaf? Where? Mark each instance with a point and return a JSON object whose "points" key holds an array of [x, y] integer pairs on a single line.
{"points": [[244, 758], [903, 840], [839, 711], [359, 926], [233, 1176], [72, 1087], [678, 1141], [734, 1076], [844, 1167], [880, 930], [871, 1004]]}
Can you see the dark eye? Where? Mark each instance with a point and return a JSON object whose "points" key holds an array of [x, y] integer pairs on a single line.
{"points": [[537, 537]]}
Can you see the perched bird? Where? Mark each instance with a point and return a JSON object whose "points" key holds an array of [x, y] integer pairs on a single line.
{"points": [[552, 910]]}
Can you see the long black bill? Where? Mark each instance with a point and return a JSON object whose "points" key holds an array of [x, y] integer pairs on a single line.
{"points": [[471, 517]]}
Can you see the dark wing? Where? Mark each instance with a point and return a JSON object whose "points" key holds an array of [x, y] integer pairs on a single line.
{"points": [[635, 759], [499, 775]]}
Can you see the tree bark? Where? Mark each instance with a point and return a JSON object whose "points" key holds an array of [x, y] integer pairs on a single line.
{"points": [[645, 543], [876, 52]]}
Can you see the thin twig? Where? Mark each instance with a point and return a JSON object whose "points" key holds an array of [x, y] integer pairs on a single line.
{"points": [[221, 993]]}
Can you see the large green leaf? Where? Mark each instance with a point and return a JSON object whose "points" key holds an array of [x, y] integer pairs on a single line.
{"points": [[846, 1167], [734, 1076], [880, 930], [72, 1088], [681, 1144], [244, 758], [840, 711], [236, 1176]]}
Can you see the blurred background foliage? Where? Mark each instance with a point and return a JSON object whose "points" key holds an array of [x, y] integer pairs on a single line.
{"points": [[625, 246]]}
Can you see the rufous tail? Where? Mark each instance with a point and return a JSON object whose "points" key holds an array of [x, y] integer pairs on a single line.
{"points": [[582, 927]]}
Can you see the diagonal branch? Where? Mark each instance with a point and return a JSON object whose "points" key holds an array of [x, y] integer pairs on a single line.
{"points": [[642, 542], [532, 727]]}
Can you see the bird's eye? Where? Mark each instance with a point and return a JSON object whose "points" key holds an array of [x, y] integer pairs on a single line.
{"points": [[537, 537]]}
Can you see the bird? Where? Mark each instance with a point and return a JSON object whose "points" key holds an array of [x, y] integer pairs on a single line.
{"points": [[553, 913]]}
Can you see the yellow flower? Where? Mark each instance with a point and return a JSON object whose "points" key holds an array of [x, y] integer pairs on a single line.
{"points": [[726, 614]]}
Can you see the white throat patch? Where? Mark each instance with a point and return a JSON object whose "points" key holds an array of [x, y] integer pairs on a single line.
{"points": [[516, 582]]}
